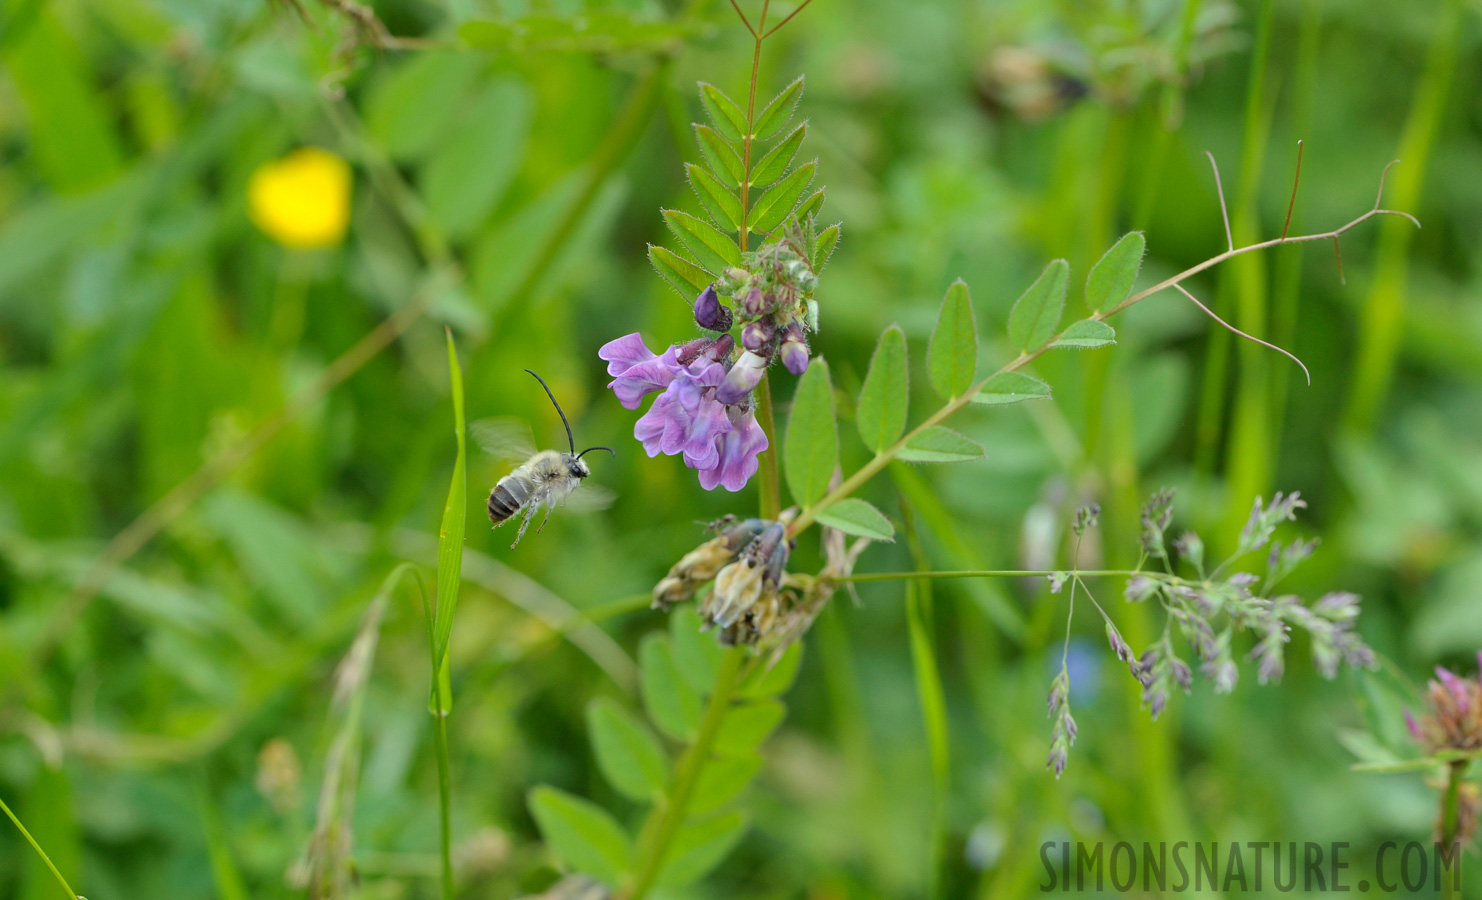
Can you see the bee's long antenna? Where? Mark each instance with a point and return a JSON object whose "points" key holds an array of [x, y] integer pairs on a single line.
{"points": [[590, 449], [569, 439]]}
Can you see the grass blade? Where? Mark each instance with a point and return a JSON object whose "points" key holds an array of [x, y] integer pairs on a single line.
{"points": [[450, 535]]}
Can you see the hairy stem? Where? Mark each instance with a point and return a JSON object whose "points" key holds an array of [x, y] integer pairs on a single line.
{"points": [[670, 813], [884, 457], [71, 894]]}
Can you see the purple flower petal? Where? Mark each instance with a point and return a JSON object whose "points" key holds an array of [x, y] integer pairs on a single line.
{"points": [[742, 379], [737, 460], [624, 353], [641, 380]]}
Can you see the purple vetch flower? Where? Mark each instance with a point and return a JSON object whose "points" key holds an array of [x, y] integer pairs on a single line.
{"points": [[739, 449], [743, 378], [1412, 725], [690, 418]]}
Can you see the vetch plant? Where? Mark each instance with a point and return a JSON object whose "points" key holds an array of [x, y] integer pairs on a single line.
{"points": [[751, 266], [752, 270]]}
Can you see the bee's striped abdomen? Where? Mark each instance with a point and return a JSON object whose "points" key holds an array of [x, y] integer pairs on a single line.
{"points": [[504, 502]]}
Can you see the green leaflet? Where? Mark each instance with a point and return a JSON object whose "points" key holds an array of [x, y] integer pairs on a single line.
{"points": [[712, 249], [684, 276], [630, 757], [809, 207], [1011, 387], [700, 847], [1036, 314], [776, 114], [722, 781], [582, 834], [880, 414], [952, 355], [771, 166], [722, 157], [696, 653], [724, 114], [724, 207], [1086, 334], [857, 517], [811, 449], [773, 208], [772, 677], [940, 445], [1111, 279], [823, 247], [667, 696], [747, 726]]}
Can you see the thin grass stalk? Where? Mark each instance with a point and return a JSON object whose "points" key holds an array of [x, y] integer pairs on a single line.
{"points": [[1288, 278], [1249, 441], [1381, 323], [71, 894], [444, 792], [930, 695], [1209, 424]]}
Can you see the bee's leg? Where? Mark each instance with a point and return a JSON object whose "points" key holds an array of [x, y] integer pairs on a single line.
{"points": [[547, 518], [524, 523]]}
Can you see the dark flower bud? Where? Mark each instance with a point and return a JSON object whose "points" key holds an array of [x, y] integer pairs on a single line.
{"points": [[687, 353], [720, 349], [756, 335], [742, 379], [709, 312]]}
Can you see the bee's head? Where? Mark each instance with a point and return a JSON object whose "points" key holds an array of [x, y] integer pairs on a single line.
{"points": [[577, 467]]}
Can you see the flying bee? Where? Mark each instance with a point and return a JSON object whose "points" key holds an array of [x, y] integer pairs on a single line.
{"points": [[546, 478]]}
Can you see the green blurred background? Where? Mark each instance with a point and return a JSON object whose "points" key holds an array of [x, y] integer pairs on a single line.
{"points": [[506, 180]]}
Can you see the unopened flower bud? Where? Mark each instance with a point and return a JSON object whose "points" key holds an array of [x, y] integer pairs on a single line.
{"points": [[709, 313], [720, 349], [756, 335], [755, 303], [794, 350], [742, 379], [689, 352]]}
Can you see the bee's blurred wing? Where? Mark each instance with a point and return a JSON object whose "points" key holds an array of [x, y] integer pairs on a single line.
{"points": [[504, 438], [590, 498]]}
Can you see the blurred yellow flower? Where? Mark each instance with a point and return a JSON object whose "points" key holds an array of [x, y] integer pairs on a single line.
{"points": [[303, 199]]}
